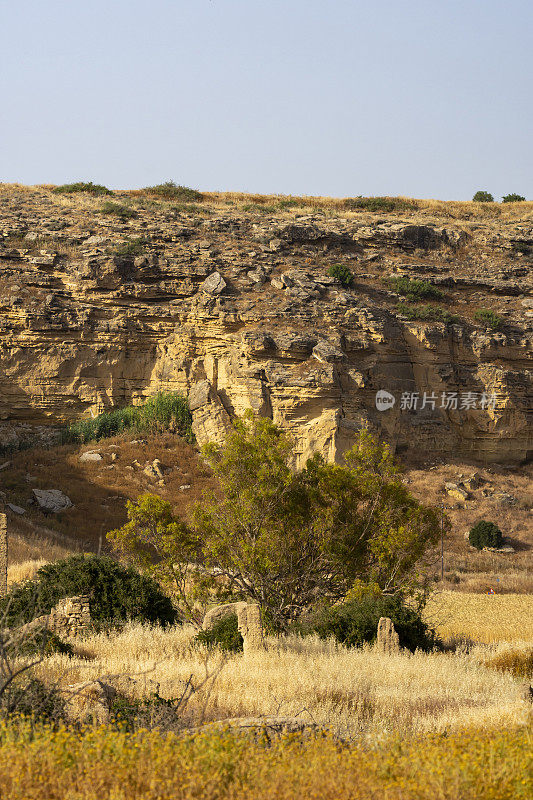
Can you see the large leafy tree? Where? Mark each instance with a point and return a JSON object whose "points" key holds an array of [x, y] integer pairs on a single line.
{"points": [[290, 539]]}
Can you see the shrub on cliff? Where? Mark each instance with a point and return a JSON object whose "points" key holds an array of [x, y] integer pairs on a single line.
{"points": [[342, 273], [164, 411], [426, 313], [414, 288], [488, 318], [116, 593], [485, 534], [384, 204], [119, 210]]}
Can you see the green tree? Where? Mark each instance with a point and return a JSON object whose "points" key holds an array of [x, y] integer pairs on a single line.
{"points": [[483, 197], [513, 198], [161, 545], [290, 539]]}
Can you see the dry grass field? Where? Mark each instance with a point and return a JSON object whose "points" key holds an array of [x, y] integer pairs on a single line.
{"points": [[481, 617], [353, 692]]}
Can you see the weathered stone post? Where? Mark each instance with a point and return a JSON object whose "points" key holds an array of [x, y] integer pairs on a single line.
{"points": [[388, 640], [3, 555], [251, 628]]}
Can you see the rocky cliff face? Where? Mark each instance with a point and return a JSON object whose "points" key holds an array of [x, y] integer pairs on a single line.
{"points": [[236, 308]]}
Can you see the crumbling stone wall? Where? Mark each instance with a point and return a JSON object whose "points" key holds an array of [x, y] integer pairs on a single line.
{"points": [[71, 616]]}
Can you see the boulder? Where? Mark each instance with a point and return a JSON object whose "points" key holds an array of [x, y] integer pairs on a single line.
{"points": [[52, 501], [90, 455], [214, 284], [456, 491]]}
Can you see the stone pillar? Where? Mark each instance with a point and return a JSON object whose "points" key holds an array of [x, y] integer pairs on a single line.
{"points": [[250, 628], [3, 555], [388, 640]]}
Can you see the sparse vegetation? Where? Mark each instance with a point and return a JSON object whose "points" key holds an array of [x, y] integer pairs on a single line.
{"points": [[426, 313], [485, 534], [414, 288], [483, 197], [131, 248], [385, 204], [488, 318], [119, 210], [88, 187], [172, 191], [165, 411]]}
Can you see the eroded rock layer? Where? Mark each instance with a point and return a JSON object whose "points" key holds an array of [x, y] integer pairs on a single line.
{"points": [[236, 308]]}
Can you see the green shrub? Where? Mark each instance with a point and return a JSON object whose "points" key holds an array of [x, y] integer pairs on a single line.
{"points": [[356, 621], [488, 318], [118, 209], [116, 593], [513, 198], [483, 197], [414, 288], [89, 187], [131, 248], [224, 634], [385, 204], [172, 191], [426, 313], [342, 273], [485, 534], [167, 410]]}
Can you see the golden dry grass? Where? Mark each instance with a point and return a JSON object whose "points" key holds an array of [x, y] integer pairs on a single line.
{"points": [[41, 763], [352, 691], [422, 208], [19, 573], [482, 617]]}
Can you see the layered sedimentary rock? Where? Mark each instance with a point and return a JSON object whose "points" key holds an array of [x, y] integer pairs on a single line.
{"points": [[237, 310]]}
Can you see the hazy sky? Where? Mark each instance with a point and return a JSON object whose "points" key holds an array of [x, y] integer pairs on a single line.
{"points": [[427, 98]]}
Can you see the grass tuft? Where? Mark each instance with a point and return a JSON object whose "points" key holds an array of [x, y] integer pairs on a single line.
{"points": [[163, 412], [414, 288]]}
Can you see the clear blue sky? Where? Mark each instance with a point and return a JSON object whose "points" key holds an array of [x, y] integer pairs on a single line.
{"points": [[427, 98]]}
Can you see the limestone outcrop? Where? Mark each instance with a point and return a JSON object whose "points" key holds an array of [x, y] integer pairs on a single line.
{"points": [[237, 310]]}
